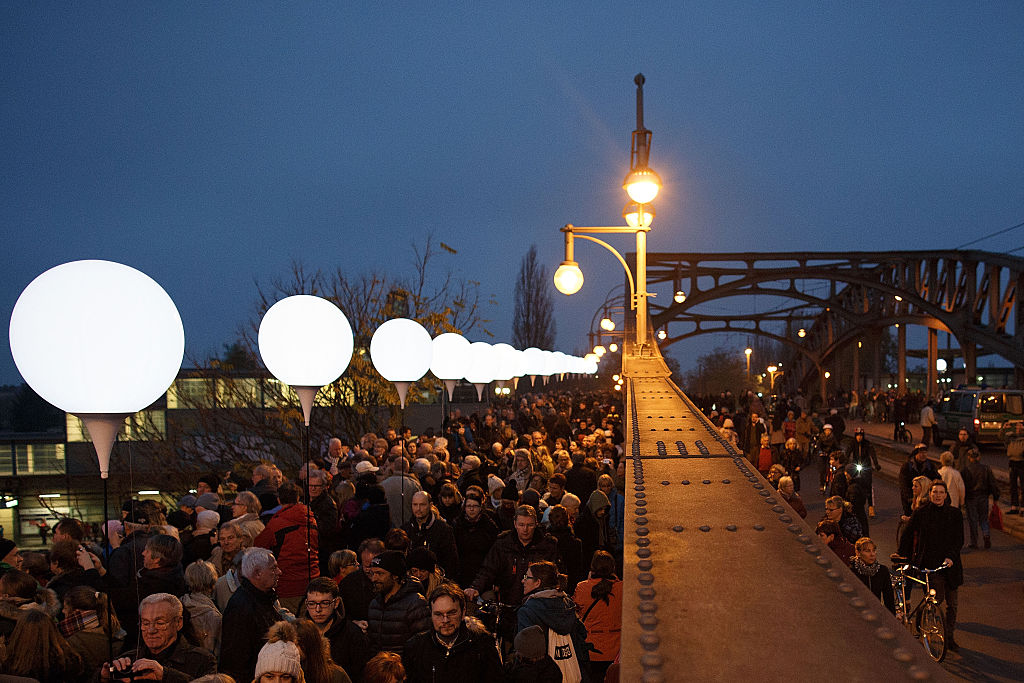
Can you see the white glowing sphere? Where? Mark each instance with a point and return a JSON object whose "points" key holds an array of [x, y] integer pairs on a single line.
{"points": [[522, 369], [97, 337], [590, 368], [534, 361], [550, 364], [482, 363], [305, 341], [941, 364], [401, 350], [450, 355], [508, 362]]}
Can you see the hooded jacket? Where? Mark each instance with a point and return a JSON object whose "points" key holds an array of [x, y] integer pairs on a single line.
{"points": [[552, 609], [392, 623], [206, 619], [349, 647], [285, 536], [471, 658]]}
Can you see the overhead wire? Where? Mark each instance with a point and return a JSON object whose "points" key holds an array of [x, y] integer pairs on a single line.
{"points": [[994, 234]]}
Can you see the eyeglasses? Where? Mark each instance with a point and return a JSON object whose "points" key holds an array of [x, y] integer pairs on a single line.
{"points": [[529, 577], [322, 604], [155, 624]]}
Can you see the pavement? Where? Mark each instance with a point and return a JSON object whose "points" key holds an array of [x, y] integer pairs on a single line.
{"points": [[892, 455], [990, 629]]}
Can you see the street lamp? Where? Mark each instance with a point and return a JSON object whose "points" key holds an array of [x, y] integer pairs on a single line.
{"points": [[642, 185], [773, 370], [679, 297], [607, 324], [747, 351]]}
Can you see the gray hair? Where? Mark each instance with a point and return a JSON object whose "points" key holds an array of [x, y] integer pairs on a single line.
{"points": [[200, 577], [250, 501], [470, 462], [167, 598], [256, 559]]}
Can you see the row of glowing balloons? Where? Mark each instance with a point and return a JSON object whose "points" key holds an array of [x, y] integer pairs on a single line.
{"points": [[102, 340]]}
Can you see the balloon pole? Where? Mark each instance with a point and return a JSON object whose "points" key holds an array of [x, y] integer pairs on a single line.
{"points": [[306, 396]]}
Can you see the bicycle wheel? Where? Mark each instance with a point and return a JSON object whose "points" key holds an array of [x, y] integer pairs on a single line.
{"points": [[931, 625]]}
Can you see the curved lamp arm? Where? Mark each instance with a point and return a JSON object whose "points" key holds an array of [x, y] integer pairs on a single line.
{"points": [[625, 266]]}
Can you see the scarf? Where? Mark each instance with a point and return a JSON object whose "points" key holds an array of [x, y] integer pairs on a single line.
{"points": [[865, 569], [78, 621]]}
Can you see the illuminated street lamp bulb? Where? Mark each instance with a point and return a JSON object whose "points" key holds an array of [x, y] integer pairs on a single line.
{"points": [[615, 378], [607, 324], [680, 297], [613, 347], [632, 215], [618, 387], [898, 297], [941, 364], [827, 374], [600, 350], [591, 358], [860, 345], [662, 334], [642, 185], [897, 326], [772, 368], [748, 351], [568, 278], [802, 333]]}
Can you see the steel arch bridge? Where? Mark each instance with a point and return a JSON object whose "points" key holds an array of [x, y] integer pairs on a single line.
{"points": [[970, 294]]}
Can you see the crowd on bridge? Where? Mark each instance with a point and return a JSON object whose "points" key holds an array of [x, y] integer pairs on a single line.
{"points": [[489, 550], [786, 437]]}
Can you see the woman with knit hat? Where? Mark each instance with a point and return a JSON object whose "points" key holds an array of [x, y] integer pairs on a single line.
{"points": [[279, 660]]}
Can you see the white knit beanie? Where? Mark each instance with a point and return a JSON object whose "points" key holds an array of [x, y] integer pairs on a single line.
{"points": [[280, 657]]}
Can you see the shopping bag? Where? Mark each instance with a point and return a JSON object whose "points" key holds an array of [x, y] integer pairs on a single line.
{"points": [[560, 649], [995, 517]]}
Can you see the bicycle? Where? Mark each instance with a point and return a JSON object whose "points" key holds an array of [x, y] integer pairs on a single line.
{"points": [[902, 433], [926, 619], [500, 619]]}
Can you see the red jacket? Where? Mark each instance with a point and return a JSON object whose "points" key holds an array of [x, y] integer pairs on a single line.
{"points": [[285, 536]]}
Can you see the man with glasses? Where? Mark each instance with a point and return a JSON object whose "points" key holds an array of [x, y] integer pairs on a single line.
{"points": [[349, 647], [453, 650], [474, 535], [325, 510], [163, 654]]}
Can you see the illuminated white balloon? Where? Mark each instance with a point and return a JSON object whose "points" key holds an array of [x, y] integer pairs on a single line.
{"points": [[482, 362], [305, 341], [534, 362], [97, 337], [450, 355], [401, 351], [507, 362]]}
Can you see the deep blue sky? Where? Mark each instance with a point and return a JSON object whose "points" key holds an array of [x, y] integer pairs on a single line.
{"points": [[210, 144]]}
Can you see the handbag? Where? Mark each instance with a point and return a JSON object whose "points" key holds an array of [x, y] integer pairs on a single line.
{"points": [[995, 517], [561, 649]]}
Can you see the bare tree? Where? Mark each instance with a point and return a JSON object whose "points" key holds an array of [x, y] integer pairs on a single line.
{"points": [[533, 322]]}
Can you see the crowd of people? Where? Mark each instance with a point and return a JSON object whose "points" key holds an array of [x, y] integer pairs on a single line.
{"points": [[489, 550]]}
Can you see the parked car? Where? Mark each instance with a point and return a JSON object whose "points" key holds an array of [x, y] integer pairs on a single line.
{"points": [[982, 412]]}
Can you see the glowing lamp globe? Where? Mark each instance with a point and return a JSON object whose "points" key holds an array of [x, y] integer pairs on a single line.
{"points": [[568, 278], [306, 342], [941, 365], [591, 358], [533, 359], [642, 185], [590, 368], [634, 217], [481, 366], [401, 351], [124, 350], [450, 354], [607, 324], [507, 362]]}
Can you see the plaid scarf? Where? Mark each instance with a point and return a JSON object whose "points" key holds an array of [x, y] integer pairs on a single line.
{"points": [[78, 621]]}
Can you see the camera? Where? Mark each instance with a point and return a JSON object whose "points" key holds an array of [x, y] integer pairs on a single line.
{"points": [[125, 675]]}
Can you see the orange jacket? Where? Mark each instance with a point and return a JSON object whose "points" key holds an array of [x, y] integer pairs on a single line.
{"points": [[604, 623]]}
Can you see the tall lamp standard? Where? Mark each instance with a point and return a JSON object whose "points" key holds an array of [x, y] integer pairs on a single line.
{"points": [[642, 186], [773, 370], [746, 352]]}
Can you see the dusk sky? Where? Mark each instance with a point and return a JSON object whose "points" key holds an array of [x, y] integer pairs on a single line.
{"points": [[211, 144]]}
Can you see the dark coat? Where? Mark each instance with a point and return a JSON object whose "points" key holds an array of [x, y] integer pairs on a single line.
{"points": [[473, 541], [880, 584], [582, 481], [909, 470], [248, 616], [356, 593], [181, 662], [437, 535], [939, 530], [373, 518], [570, 549], [553, 609], [391, 624], [472, 657], [519, 670], [350, 648], [325, 510], [508, 559]]}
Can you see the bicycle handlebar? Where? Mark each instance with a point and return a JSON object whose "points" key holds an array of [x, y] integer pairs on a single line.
{"points": [[902, 560]]}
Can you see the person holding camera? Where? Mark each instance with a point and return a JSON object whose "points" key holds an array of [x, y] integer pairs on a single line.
{"points": [[164, 654]]}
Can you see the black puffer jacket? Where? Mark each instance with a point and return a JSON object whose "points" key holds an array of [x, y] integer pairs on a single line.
{"points": [[474, 540], [436, 535], [472, 658], [391, 624], [508, 560], [248, 616]]}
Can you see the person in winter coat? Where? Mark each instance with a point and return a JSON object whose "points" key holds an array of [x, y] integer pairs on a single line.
{"points": [[728, 432], [917, 465], [455, 649], [862, 456], [20, 592], [593, 527], [349, 646], [830, 534], [325, 510], [570, 547], [427, 529], [979, 483], [1012, 434], [250, 613], [89, 626], [475, 533], [788, 493], [545, 605], [954, 480], [531, 663], [37, 652], [286, 535], [201, 578], [616, 513], [938, 530], [599, 605], [840, 511], [872, 573], [397, 611]]}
